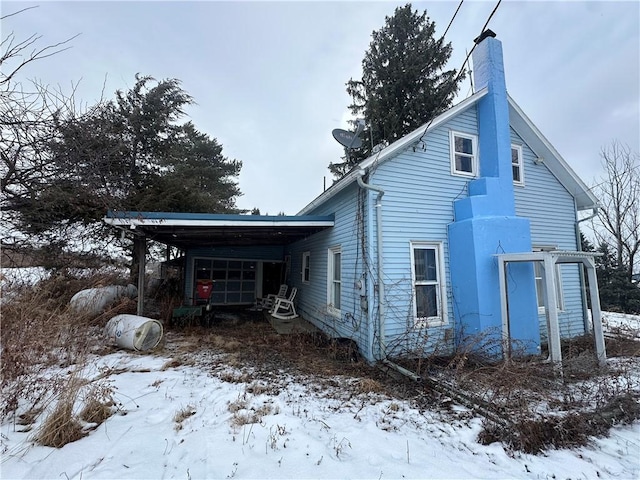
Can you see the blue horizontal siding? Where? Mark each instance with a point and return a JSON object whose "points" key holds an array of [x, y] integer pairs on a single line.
{"points": [[418, 206], [551, 211], [312, 300]]}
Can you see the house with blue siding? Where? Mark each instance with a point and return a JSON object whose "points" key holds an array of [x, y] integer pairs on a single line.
{"points": [[462, 234], [410, 268]]}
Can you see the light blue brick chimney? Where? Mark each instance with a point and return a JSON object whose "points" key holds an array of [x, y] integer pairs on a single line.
{"points": [[485, 225]]}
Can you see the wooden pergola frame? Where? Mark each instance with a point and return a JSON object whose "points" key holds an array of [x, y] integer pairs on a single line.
{"points": [[550, 259]]}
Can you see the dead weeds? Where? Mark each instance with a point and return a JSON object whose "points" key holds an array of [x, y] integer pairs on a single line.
{"points": [[98, 404], [542, 406], [60, 427], [39, 331], [540, 409], [574, 429], [181, 415]]}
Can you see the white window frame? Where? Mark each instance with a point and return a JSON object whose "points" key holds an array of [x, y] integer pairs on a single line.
{"points": [[539, 280], [474, 155], [306, 267], [442, 317], [518, 163], [333, 282]]}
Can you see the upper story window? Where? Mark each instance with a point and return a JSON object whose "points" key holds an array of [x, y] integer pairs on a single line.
{"points": [[334, 280], [426, 270], [306, 267], [516, 164], [464, 156]]}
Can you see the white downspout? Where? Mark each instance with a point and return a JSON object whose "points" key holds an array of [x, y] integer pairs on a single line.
{"points": [[381, 304], [381, 307], [594, 213]]}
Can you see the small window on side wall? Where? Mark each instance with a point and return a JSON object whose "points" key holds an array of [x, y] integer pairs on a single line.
{"points": [[464, 157], [334, 280], [516, 164], [306, 268], [540, 286]]}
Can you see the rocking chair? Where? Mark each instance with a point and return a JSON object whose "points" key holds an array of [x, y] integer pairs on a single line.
{"points": [[267, 302], [283, 308]]}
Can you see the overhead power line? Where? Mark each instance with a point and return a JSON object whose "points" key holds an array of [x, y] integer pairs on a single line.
{"points": [[489, 19], [452, 18], [455, 81]]}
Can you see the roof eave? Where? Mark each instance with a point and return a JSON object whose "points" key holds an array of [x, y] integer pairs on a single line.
{"points": [[132, 223], [392, 150], [132, 219]]}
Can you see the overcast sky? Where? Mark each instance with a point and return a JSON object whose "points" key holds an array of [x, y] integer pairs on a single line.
{"points": [[269, 77]]}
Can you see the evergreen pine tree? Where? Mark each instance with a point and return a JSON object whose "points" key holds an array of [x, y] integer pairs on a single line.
{"points": [[132, 154], [404, 82], [617, 292]]}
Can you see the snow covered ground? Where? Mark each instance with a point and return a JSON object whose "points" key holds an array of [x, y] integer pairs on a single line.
{"points": [[188, 422], [22, 276], [191, 421], [619, 323]]}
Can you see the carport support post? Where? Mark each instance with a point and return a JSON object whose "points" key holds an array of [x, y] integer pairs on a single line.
{"points": [[140, 245]]}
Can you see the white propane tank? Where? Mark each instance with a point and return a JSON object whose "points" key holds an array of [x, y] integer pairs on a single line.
{"points": [[96, 300], [134, 332]]}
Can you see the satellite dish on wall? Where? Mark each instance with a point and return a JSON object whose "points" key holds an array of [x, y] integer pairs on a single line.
{"points": [[346, 138]]}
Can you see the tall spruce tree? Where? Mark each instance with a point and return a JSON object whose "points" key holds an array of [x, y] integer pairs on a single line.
{"points": [[404, 82]]}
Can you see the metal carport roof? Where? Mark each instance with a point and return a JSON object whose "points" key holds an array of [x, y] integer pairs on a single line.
{"points": [[186, 230]]}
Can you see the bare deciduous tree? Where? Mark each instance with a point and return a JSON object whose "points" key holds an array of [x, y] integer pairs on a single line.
{"points": [[30, 113], [618, 222], [15, 54]]}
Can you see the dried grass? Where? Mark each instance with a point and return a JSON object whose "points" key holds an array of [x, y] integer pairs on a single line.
{"points": [[33, 341], [98, 404], [181, 415], [176, 362], [235, 377], [38, 332], [535, 435], [96, 412], [60, 425], [223, 343], [29, 417], [244, 418], [239, 404], [262, 388], [41, 335], [368, 385], [545, 407]]}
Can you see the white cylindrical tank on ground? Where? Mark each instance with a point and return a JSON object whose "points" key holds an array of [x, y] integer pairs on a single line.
{"points": [[134, 332], [96, 300]]}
